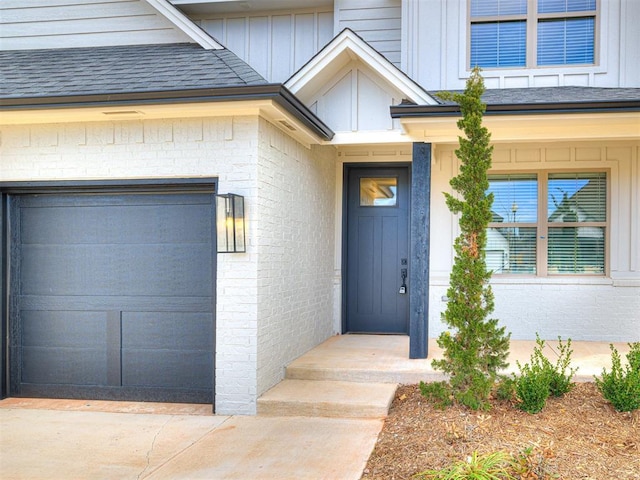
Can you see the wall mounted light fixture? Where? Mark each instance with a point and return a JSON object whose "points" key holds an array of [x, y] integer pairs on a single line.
{"points": [[230, 223]]}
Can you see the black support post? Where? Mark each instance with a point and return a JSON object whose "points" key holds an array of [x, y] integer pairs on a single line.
{"points": [[419, 232]]}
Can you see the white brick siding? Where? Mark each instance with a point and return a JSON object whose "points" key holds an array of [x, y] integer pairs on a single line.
{"points": [[296, 191], [296, 302]]}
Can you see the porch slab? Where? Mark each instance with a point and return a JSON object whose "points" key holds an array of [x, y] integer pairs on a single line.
{"points": [[385, 359]]}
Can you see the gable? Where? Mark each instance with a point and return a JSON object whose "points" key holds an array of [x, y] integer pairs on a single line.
{"points": [[40, 24], [351, 86], [356, 100]]}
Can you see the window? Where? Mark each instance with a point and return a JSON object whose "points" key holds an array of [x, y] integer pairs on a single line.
{"points": [[565, 235], [530, 33], [378, 192]]}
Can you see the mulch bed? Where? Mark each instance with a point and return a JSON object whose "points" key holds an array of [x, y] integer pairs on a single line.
{"points": [[578, 436]]}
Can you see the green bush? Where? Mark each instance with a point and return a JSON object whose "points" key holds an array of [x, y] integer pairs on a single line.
{"points": [[492, 466], [505, 389], [621, 386], [532, 387], [561, 374], [541, 378], [439, 393]]}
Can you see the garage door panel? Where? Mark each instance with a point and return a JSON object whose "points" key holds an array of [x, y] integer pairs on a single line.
{"points": [[117, 269], [112, 296], [116, 224], [65, 329], [111, 199], [167, 330], [115, 303], [64, 366], [179, 369]]}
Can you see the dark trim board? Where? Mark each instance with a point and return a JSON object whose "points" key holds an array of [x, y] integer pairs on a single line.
{"points": [[419, 238], [4, 303], [160, 185], [17, 190]]}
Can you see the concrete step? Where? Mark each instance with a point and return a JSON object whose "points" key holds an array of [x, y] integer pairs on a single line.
{"points": [[313, 398], [362, 374]]}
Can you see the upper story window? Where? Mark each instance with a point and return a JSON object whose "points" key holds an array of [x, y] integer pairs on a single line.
{"points": [[531, 33]]}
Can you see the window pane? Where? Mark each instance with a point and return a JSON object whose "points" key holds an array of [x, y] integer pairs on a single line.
{"points": [[566, 41], [515, 198], [498, 44], [480, 8], [577, 197], [376, 192], [576, 250], [555, 6], [511, 250]]}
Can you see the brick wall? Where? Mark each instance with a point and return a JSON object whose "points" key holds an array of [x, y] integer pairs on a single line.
{"points": [[295, 245], [288, 193]]}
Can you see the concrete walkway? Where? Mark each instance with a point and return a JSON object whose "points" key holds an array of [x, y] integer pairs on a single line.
{"points": [[82, 443], [74, 439]]}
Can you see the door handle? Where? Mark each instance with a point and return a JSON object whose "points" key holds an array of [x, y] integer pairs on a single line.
{"points": [[403, 287]]}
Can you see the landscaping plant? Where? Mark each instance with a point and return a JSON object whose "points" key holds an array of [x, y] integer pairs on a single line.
{"points": [[478, 348], [439, 393], [505, 388], [491, 466], [621, 386], [540, 378], [532, 388], [561, 374]]}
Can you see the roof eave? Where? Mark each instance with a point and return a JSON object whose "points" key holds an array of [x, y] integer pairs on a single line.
{"points": [[275, 92], [407, 111]]}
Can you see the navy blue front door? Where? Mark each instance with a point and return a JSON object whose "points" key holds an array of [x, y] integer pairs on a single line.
{"points": [[377, 250]]}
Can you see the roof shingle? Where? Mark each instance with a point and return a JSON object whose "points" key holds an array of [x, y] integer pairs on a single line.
{"points": [[120, 69], [533, 95]]}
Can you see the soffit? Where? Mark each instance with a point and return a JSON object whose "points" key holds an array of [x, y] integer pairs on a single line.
{"points": [[531, 127], [270, 109]]}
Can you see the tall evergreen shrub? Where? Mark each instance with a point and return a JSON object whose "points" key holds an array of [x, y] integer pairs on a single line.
{"points": [[476, 348]]}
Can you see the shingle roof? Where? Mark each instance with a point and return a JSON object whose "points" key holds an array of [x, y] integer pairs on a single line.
{"points": [[533, 95], [120, 69]]}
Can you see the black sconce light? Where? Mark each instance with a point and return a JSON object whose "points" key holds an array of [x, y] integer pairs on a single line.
{"points": [[230, 223]]}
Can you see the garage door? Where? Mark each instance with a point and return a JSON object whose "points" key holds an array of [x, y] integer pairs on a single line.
{"points": [[111, 296]]}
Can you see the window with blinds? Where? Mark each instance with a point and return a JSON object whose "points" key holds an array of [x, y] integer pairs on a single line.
{"points": [[518, 33], [566, 236], [512, 233], [576, 217]]}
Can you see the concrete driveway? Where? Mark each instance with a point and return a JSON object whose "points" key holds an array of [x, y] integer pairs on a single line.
{"points": [[38, 443]]}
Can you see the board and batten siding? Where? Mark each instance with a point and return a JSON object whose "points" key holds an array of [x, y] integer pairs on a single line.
{"points": [[356, 99], [274, 44], [435, 44], [586, 308], [82, 23], [378, 22]]}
